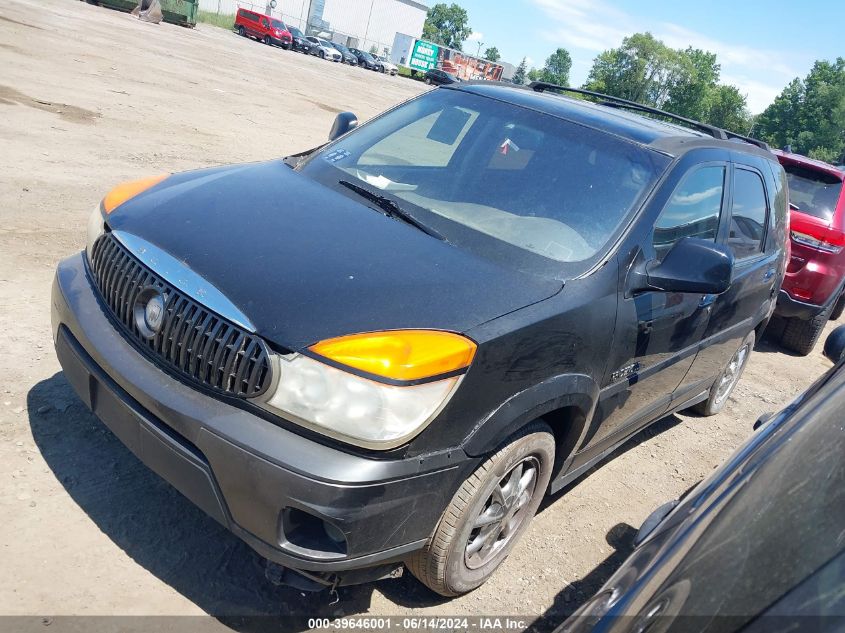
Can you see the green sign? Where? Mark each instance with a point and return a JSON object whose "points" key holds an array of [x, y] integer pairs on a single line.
{"points": [[424, 55]]}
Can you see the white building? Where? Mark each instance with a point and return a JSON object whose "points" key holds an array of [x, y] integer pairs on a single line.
{"points": [[357, 23]]}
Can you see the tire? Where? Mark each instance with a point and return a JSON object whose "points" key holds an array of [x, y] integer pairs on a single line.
{"points": [[838, 309], [445, 565], [428, 80], [800, 336], [241, 31], [722, 389], [322, 54], [266, 40]]}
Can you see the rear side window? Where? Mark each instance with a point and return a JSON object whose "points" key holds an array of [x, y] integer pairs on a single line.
{"points": [[748, 217], [693, 210]]}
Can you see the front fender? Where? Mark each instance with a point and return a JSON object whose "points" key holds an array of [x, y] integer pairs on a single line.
{"points": [[578, 391]]}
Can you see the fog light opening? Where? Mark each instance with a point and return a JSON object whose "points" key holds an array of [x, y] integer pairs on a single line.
{"points": [[307, 534]]}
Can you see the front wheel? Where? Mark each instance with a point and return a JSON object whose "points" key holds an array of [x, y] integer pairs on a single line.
{"points": [[728, 379], [487, 515], [428, 80]]}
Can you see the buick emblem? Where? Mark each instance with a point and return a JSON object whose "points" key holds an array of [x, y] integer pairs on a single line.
{"points": [[154, 312], [149, 312]]}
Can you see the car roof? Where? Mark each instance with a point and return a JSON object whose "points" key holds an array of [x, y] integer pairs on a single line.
{"points": [[811, 163], [669, 138]]}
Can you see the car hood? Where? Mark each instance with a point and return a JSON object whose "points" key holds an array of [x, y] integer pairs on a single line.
{"points": [[304, 263]]}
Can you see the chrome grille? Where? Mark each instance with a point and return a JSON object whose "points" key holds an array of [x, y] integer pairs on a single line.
{"points": [[192, 340]]}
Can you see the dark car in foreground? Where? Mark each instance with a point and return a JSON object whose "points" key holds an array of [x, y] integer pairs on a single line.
{"points": [[758, 546], [387, 350], [438, 77], [813, 290]]}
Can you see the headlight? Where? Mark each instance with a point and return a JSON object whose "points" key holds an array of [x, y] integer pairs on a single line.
{"points": [[96, 227], [376, 390]]}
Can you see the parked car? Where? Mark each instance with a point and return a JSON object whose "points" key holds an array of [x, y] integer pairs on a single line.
{"points": [[365, 60], [300, 42], [262, 28], [386, 66], [758, 546], [814, 287], [323, 49], [463, 305], [438, 77], [348, 56]]}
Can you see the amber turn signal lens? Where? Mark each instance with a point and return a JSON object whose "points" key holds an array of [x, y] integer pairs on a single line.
{"points": [[400, 354], [126, 190]]}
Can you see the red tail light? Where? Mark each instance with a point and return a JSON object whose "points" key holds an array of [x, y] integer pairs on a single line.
{"points": [[824, 240]]}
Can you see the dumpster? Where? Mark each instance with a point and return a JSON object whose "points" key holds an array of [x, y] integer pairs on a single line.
{"points": [[183, 12]]}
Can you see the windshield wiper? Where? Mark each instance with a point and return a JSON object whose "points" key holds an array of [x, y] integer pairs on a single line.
{"points": [[390, 208]]}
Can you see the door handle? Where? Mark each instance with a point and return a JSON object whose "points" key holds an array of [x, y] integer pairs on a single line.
{"points": [[769, 274], [707, 300]]}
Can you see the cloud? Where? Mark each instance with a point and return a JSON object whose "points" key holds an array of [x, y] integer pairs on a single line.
{"points": [[588, 27], [475, 36]]}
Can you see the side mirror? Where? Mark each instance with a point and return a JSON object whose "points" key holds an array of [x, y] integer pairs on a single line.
{"points": [[834, 346], [343, 122], [692, 265]]}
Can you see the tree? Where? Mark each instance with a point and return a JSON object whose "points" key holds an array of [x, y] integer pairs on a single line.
{"points": [[556, 70], [695, 83], [447, 25], [643, 69], [727, 108], [809, 114], [535, 74], [519, 74], [492, 54]]}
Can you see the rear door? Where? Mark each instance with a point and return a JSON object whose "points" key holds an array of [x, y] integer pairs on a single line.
{"points": [[749, 300]]}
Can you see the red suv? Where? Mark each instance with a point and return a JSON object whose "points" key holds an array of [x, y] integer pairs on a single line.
{"points": [[263, 28], [813, 290]]}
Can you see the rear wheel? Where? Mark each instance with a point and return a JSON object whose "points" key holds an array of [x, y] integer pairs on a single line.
{"points": [[801, 336], [241, 31], [487, 515], [728, 379]]}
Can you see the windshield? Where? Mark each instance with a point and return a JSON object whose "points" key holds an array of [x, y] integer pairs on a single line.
{"points": [[502, 180], [813, 192], [295, 31], [278, 25]]}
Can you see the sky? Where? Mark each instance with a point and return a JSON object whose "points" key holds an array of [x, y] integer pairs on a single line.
{"points": [[761, 44]]}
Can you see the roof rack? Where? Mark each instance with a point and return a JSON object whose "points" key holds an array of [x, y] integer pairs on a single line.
{"points": [[618, 102]]}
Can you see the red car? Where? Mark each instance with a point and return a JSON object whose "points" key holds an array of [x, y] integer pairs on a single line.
{"points": [[813, 290], [263, 28]]}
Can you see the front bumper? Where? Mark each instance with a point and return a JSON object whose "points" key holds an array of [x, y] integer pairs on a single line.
{"points": [[280, 42], [241, 469]]}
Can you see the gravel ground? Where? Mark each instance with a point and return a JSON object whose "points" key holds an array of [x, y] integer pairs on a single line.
{"points": [[90, 97]]}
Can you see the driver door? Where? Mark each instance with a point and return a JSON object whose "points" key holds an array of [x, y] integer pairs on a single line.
{"points": [[658, 333]]}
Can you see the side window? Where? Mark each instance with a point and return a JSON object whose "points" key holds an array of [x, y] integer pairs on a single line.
{"points": [[693, 210], [264, 22], [748, 216], [427, 142]]}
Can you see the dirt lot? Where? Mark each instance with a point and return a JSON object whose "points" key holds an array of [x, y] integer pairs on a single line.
{"points": [[90, 97]]}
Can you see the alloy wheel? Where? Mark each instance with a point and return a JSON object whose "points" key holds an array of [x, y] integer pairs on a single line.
{"points": [[731, 374], [502, 514]]}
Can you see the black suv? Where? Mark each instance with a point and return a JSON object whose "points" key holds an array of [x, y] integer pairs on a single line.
{"points": [[387, 350]]}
